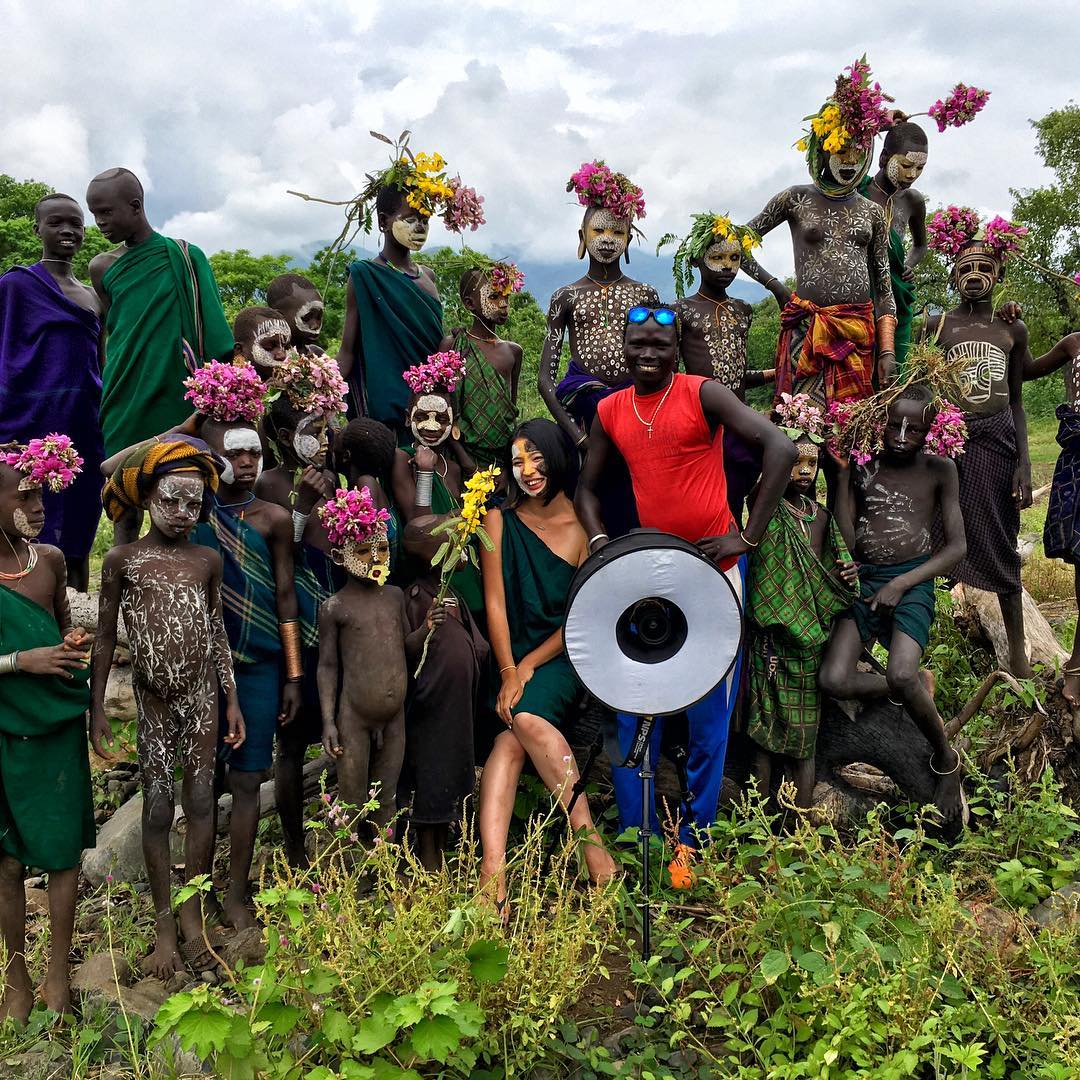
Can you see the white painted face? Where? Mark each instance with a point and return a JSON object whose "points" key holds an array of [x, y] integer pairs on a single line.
{"points": [[431, 419], [310, 440], [529, 468], [309, 319], [23, 525], [272, 340], [904, 169], [725, 256], [846, 168], [176, 503], [494, 306], [607, 236], [410, 232], [241, 443]]}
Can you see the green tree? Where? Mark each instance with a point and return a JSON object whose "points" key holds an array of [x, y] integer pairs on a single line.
{"points": [[242, 277]]}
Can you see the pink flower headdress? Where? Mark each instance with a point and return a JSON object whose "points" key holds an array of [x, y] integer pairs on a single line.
{"points": [[226, 392], [351, 516], [596, 185], [313, 384], [506, 278], [950, 230], [800, 418], [440, 371], [52, 462]]}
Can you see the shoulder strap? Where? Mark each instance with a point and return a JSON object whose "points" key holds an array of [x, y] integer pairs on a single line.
{"points": [[193, 277]]}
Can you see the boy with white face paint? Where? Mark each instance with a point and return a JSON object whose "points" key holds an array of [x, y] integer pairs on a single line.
{"points": [[46, 805], [301, 306], [263, 338], [254, 539], [169, 591]]}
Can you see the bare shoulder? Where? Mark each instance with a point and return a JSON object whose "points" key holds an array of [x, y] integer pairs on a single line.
{"points": [[940, 468], [206, 559], [102, 261], [913, 200], [277, 517]]}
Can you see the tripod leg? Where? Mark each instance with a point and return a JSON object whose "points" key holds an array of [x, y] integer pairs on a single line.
{"points": [[680, 757], [646, 834]]}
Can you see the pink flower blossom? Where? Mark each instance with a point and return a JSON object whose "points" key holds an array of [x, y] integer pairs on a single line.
{"points": [[950, 229], [596, 185], [1005, 237], [226, 392], [798, 413], [506, 278], [352, 516], [440, 371], [51, 462], [463, 209], [1076, 278], [959, 108], [948, 432], [862, 104], [313, 384]]}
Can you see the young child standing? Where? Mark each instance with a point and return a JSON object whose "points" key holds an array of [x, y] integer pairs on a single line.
{"points": [[800, 577], [46, 808], [169, 591]]}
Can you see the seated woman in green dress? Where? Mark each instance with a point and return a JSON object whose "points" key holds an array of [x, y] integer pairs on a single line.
{"points": [[538, 544]]}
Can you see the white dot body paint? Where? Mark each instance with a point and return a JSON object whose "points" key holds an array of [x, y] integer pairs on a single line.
{"points": [[602, 245], [237, 439], [431, 419], [490, 308], [269, 328], [305, 310], [900, 164], [368, 561], [176, 503], [410, 234], [23, 526]]}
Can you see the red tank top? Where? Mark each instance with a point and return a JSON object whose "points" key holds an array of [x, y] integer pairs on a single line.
{"points": [[678, 472]]}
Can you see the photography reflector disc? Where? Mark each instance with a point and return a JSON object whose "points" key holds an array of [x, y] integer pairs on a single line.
{"points": [[652, 626]]}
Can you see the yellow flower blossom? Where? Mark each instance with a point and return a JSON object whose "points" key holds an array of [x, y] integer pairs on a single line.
{"points": [[836, 141], [722, 226], [749, 243], [803, 144]]}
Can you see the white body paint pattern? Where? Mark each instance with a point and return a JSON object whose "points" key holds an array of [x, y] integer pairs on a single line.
{"points": [[605, 249], [889, 515], [177, 645], [305, 310], [985, 365], [898, 161], [727, 342], [489, 309], [267, 328]]}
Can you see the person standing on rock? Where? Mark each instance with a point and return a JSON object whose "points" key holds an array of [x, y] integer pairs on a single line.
{"points": [[46, 806]]}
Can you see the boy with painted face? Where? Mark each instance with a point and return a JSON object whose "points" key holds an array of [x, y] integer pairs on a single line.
{"points": [[46, 805], [263, 338], [301, 306], [364, 725], [800, 577], [492, 366], [169, 591], [254, 539], [995, 469], [886, 510]]}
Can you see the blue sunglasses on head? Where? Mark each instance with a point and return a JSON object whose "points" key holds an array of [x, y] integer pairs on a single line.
{"points": [[662, 316]]}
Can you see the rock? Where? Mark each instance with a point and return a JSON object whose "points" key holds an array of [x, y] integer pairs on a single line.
{"points": [[246, 949], [119, 845], [208, 977], [84, 613], [37, 902], [100, 973], [983, 610], [145, 998], [46, 1061], [117, 774], [1059, 908], [120, 694], [172, 1055], [997, 929], [114, 787]]}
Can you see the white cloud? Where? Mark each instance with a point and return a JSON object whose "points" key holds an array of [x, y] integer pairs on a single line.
{"points": [[223, 107]]}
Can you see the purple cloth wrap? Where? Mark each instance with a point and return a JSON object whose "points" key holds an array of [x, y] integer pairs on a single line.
{"points": [[50, 381], [742, 467]]}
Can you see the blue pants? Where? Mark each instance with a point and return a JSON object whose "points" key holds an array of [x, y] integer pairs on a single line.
{"points": [[708, 723]]}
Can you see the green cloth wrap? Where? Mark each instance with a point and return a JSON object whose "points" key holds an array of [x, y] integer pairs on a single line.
{"points": [[536, 583], [399, 325], [792, 598], [914, 615], [46, 804], [151, 316], [488, 413]]}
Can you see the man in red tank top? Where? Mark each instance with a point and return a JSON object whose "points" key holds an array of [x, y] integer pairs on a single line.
{"points": [[669, 429]]}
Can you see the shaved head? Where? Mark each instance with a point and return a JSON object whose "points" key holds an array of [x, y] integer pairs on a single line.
{"points": [[41, 206], [123, 181]]}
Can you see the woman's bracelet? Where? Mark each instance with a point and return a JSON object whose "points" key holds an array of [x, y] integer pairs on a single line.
{"points": [[598, 536], [747, 541], [299, 524], [424, 479], [509, 667], [9, 664]]}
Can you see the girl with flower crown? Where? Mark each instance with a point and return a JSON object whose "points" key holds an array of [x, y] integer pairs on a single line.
{"points": [[46, 804]]}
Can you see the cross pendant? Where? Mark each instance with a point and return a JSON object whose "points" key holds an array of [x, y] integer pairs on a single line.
{"points": [[648, 428]]}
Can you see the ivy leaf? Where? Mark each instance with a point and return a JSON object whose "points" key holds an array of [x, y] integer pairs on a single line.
{"points": [[204, 1032], [435, 1037], [336, 1027], [404, 1011], [468, 1016], [373, 1034], [487, 960], [773, 964]]}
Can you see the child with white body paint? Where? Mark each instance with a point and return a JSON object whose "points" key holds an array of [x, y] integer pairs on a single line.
{"points": [[169, 591]]}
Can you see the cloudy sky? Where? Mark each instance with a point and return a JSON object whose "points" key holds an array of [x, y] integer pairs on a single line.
{"points": [[222, 106]]}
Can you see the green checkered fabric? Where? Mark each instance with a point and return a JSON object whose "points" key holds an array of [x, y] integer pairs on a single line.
{"points": [[488, 414]]}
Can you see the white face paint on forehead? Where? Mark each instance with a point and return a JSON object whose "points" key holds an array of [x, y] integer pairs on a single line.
{"points": [[492, 305], [236, 440], [606, 236], [269, 328], [724, 255], [432, 419], [904, 169], [310, 441], [176, 503]]}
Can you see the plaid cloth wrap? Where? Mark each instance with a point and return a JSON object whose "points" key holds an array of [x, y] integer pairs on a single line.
{"points": [[991, 516], [836, 354], [129, 487], [1061, 534], [248, 590], [488, 413], [792, 598]]}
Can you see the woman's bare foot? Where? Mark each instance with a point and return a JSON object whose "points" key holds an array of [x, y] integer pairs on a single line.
{"points": [[165, 961], [236, 913], [56, 989]]}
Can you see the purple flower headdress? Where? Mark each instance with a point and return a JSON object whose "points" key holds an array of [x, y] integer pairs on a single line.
{"points": [[596, 185], [440, 371]]}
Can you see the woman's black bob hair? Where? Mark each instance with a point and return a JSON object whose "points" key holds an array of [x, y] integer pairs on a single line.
{"points": [[560, 459]]}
